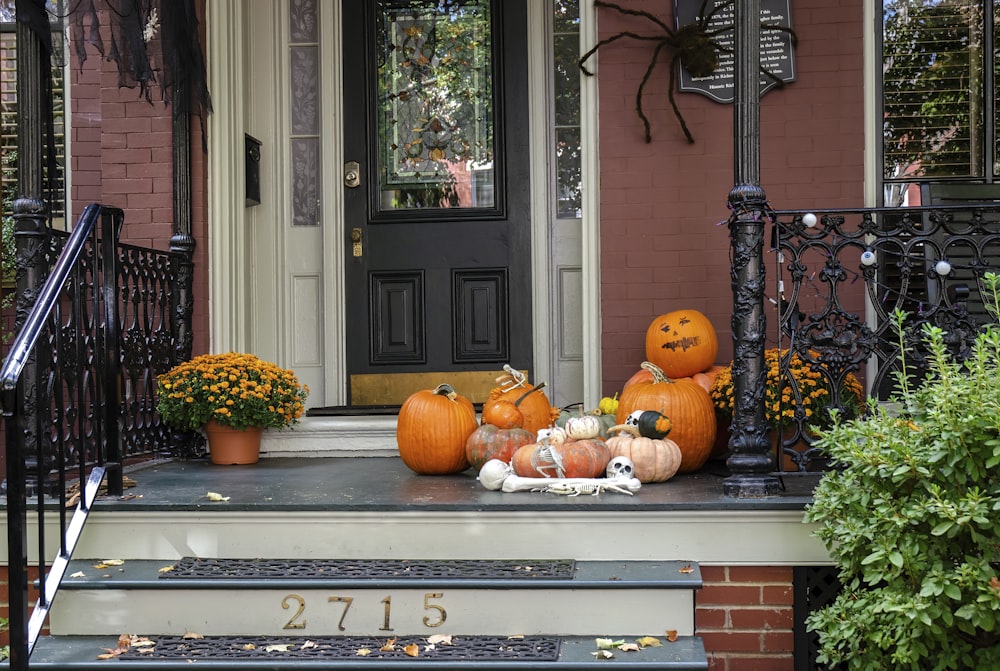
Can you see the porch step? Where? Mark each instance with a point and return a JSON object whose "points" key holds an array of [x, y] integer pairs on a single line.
{"points": [[351, 597], [481, 653]]}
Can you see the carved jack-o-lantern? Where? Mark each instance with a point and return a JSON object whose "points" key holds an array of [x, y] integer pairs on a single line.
{"points": [[681, 343]]}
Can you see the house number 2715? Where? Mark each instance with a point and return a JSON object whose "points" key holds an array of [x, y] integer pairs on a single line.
{"points": [[435, 617]]}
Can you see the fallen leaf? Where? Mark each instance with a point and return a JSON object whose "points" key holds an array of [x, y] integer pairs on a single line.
{"points": [[142, 642], [671, 635], [108, 563], [110, 654], [73, 500], [439, 638], [78, 574], [249, 646], [363, 652], [165, 569], [215, 496], [192, 636], [649, 642], [629, 647], [389, 646], [124, 641], [279, 647], [687, 568], [607, 643], [308, 644], [603, 654], [413, 650], [515, 636]]}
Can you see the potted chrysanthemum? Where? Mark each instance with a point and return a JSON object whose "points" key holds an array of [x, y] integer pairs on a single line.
{"points": [[780, 409], [230, 396]]}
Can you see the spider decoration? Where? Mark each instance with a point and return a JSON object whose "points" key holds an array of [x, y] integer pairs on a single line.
{"points": [[694, 46]]}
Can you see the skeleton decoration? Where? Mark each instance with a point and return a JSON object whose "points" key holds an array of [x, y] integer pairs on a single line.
{"points": [[498, 475]]}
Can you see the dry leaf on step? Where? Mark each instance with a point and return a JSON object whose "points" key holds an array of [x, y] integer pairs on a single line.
{"points": [[413, 650], [649, 642], [444, 639], [215, 496], [279, 647], [671, 635], [192, 636], [603, 654], [363, 652]]}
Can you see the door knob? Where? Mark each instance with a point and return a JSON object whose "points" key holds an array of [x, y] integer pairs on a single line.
{"points": [[352, 174]]}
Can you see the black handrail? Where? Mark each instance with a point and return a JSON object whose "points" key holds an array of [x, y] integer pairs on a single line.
{"points": [[98, 454]]}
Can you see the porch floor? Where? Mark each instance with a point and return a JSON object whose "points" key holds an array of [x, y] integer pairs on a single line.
{"points": [[385, 483]]}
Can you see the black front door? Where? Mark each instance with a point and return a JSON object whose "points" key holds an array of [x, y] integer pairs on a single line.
{"points": [[436, 195]]}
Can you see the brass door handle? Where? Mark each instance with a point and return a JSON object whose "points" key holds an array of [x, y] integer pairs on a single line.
{"points": [[356, 242]]}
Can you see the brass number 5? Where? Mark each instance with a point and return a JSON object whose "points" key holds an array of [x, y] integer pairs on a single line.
{"points": [[442, 614], [292, 624]]}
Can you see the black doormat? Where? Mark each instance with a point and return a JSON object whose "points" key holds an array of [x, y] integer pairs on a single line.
{"points": [[348, 569], [403, 649]]}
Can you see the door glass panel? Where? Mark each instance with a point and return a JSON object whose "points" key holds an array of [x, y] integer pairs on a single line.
{"points": [[435, 107]]}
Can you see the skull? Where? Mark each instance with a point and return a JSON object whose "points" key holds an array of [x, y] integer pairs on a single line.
{"points": [[621, 467], [633, 419]]}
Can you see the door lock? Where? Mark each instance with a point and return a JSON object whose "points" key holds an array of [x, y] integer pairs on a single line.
{"points": [[352, 174]]}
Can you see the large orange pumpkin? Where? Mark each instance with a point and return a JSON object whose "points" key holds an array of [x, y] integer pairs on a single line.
{"points": [[579, 459], [688, 406], [432, 429], [492, 442], [681, 343], [655, 459]]}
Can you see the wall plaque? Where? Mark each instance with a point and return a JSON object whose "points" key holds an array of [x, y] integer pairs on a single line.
{"points": [[776, 54]]}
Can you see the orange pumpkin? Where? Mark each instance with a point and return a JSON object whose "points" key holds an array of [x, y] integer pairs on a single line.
{"points": [[530, 400], [655, 459], [503, 415], [681, 343], [491, 442], [432, 429], [688, 406], [578, 459]]}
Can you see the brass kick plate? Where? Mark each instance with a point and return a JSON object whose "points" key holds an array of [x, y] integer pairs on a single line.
{"points": [[394, 388]]}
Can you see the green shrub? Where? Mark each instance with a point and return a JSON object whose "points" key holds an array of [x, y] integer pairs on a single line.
{"points": [[913, 520]]}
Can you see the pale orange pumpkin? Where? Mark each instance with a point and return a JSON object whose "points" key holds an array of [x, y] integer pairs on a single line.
{"points": [[682, 343], [655, 459], [432, 429], [688, 406]]}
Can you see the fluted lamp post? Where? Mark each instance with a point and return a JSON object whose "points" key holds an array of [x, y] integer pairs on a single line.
{"points": [[752, 461]]}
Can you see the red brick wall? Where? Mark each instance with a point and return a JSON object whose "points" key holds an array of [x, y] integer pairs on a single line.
{"points": [[122, 155], [661, 247], [744, 616]]}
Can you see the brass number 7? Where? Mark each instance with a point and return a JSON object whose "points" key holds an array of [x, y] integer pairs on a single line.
{"points": [[346, 600]]}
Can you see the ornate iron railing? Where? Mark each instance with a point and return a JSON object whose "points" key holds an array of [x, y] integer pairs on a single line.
{"points": [[78, 390], [840, 277]]}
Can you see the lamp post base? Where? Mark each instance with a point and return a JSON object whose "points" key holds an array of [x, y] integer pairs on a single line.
{"points": [[751, 486]]}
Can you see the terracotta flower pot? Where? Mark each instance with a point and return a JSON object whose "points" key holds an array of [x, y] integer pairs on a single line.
{"points": [[233, 446]]}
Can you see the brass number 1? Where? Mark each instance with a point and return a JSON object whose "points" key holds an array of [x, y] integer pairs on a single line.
{"points": [[385, 623]]}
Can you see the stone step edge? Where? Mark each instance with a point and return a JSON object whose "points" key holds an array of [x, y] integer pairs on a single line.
{"points": [[79, 653], [604, 574]]}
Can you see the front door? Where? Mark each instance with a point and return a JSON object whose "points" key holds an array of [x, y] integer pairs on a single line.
{"points": [[435, 183]]}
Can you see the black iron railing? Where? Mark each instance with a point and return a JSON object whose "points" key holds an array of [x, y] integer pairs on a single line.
{"points": [[78, 394], [839, 278]]}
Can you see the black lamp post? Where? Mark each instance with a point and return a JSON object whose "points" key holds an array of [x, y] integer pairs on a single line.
{"points": [[752, 461]]}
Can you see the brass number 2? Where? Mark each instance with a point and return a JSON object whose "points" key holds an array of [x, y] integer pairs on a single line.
{"points": [[292, 624]]}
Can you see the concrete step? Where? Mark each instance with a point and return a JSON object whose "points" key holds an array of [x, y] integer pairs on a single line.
{"points": [[233, 597], [482, 653]]}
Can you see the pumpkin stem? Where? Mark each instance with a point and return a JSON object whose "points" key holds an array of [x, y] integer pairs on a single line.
{"points": [[658, 374], [525, 394], [445, 389], [624, 428]]}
